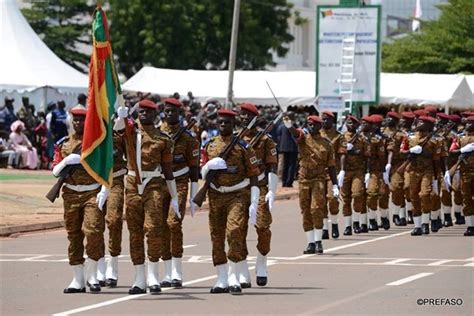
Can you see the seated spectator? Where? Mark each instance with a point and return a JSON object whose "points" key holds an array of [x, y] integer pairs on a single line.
{"points": [[7, 153], [22, 146]]}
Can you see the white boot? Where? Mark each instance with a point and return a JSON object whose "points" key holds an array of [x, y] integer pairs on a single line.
{"points": [[425, 218], [325, 224], [261, 269], [139, 286], [233, 277], [176, 272], [78, 284], [222, 283], [402, 212], [92, 275], [111, 273], [166, 282], [101, 271], [244, 274], [153, 278], [363, 218], [417, 221], [310, 236]]}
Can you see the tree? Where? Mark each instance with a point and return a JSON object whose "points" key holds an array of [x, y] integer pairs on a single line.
{"points": [[63, 25], [184, 34], [443, 46]]}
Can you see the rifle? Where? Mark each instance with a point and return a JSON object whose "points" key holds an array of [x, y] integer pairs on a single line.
{"points": [[401, 170], [201, 194], [184, 128], [461, 159], [53, 193], [267, 130]]}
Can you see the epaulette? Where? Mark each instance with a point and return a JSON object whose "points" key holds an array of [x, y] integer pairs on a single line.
{"points": [[62, 140], [243, 143], [305, 131]]}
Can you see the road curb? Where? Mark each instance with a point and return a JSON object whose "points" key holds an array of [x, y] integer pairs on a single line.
{"points": [[8, 231]]}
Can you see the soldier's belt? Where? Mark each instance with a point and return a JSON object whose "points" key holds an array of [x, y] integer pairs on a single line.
{"points": [[146, 174], [119, 173], [82, 188], [261, 176], [235, 187], [180, 172]]}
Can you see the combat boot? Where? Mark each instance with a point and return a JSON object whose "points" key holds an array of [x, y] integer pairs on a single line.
{"points": [[325, 234], [319, 247], [335, 231], [434, 226], [448, 220], [396, 220], [166, 282], [373, 225], [153, 277], [311, 249], [425, 229], [92, 281], [416, 231], [101, 266], [244, 274], [261, 269], [470, 226], [356, 227], [176, 273], [403, 221], [348, 231], [409, 217], [385, 223], [233, 276], [460, 220]]}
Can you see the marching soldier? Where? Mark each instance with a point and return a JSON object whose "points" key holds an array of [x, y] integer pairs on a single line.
{"points": [[228, 202], [466, 151], [423, 166], [265, 151], [82, 216], [456, 181], [185, 168], [355, 165], [394, 139], [107, 273], [330, 132], [144, 201], [406, 123], [316, 159]]}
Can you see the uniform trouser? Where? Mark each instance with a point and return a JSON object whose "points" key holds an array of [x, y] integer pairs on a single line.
{"points": [[436, 198], [312, 200], [406, 186], [353, 188], [467, 189], [456, 189], [332, 204], [172, 229], [420, 191], [377, 192], [144, 218], [226, 221], [396, 188], [82, 219], [114, 216]]}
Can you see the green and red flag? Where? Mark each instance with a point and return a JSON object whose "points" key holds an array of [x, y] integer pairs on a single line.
{"points": [[104, 88]]}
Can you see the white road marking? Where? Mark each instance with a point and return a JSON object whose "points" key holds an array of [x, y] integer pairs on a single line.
{"points": [[469, 264], [34, 258], [396, 261], [130, 297], [440, 262], [188, 246], [410, 278]]}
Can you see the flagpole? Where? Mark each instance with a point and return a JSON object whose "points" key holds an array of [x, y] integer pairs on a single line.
{"points": [[233, 54]]}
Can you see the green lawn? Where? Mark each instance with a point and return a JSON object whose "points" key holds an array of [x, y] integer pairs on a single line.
{"points": [[16, 177]]}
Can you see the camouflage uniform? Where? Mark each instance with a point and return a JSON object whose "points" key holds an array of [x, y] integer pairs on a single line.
{"points": [[82, 217], [394, 139], [144, 211], [227, 211], [185, 155], [467, 175], [377, 190]]}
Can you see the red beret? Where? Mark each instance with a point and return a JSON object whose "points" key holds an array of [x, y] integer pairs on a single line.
{"points": [[353, 118], [467, 113], [79, 110], [148, 104], [376, 118], [367, 119], [225, 112], [420, 113], [328, 113], [470, 118], [314, 119], [430, 109], [249, 107], [173, 101], [429, 119], [393, 114], [408, 115], [455, 118], [443, 115]]}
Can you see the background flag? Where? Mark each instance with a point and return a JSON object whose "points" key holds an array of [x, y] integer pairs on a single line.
{"points": [[104, 87], [415, 25]]}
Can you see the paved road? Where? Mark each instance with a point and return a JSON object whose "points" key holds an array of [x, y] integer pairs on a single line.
{"points": [[384, 272]]}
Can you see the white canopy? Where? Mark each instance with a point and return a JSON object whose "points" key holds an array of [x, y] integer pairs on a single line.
{"points": [[27, 64], [298, 87]]}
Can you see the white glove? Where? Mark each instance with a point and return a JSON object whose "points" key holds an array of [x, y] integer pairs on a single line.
{"points": [[72, 159], [192, 193], [340, 178], [272, 188], [254, 196], [447, 180], [386, 174], [171, 184], [457, 179], [335, 191], [287, 123], [214, 164], [366, 180], [416, 150], [122, 112], [349, 146], [102, 197], [434, 185], [467, 148]]}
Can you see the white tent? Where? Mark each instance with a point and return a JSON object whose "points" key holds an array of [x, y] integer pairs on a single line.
{"points": [[298, 87], [29, 68]]}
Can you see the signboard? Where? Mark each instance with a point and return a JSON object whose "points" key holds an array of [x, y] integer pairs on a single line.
{"points": [[331, 104], [336, 23]]}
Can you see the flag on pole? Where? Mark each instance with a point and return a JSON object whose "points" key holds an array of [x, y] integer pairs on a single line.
{"points": [[104, 88], [415, 25]]}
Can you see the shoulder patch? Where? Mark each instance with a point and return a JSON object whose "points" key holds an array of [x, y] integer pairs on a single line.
{"points": [[195, 152], [253, 160], [62, 140], [273, 151]]}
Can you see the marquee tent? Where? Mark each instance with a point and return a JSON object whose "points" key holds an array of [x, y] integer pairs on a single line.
{"points": [[28, 67]]}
